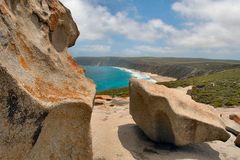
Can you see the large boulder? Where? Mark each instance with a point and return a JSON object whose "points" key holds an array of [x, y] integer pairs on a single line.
{"points": [[45, 99], [170, 116]]}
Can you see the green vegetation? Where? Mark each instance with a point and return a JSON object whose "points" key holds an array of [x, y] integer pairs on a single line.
{"points": [[219, 89], [120, 92]]}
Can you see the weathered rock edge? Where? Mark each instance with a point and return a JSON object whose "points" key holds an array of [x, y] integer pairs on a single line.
{"points": [[170, 116], [45, 99]]}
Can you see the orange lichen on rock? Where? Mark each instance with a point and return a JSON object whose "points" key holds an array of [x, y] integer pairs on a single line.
{"points": [[72, 62], [22, 43], [49, 92], [23, 62], [74, 65], [53, 21], [57, 11], [3, 9], [54, 6]]}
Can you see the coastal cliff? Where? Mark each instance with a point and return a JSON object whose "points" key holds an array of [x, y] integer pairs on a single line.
{"points": [[45, 99]]}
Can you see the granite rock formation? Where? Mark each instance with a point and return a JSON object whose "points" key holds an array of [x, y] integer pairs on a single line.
{"points": [[45, 99], [170, 116]]}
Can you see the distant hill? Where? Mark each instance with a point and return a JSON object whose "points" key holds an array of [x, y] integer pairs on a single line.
{"points": [[180, 68]]}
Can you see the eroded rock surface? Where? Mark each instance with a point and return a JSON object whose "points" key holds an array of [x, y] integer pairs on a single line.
{"points": [[170, 116], [45, 99]]}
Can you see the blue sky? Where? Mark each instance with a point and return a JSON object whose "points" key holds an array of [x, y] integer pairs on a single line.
{"points": [[161, 28]]}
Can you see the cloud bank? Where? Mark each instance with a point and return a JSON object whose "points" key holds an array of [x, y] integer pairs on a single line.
{"points": [[209, 27]]}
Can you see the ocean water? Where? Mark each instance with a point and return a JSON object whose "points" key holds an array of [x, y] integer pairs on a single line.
{"points": [[108, 77]]}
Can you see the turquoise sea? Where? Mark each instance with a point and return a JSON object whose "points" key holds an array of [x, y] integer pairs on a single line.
{"points": [[108, 77]]}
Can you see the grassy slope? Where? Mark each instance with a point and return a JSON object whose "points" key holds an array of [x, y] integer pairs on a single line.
{"points": [[218, 89], [121, 92]]}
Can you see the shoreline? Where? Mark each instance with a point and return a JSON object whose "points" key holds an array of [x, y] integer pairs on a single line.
{"points": [[152, 77]]}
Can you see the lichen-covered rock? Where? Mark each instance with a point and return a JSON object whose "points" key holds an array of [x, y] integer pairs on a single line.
{"points": [[171, 116], [45, 99]]}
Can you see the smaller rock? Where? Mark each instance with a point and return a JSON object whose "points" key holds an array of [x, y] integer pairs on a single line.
{"points": [[104, 97], [237, 141], [235, 117], [228, 115], [120, 101], [98, 102]]}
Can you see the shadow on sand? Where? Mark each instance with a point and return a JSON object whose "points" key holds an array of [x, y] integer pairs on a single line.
{"points": [[142, 148]]}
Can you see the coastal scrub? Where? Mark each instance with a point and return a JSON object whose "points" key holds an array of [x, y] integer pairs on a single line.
{"points": [[220, 89]]}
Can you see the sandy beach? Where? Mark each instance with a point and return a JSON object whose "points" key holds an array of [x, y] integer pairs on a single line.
{"points": [[147, 75], [159, 78]]}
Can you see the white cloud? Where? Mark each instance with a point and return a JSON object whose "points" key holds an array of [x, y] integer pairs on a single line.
{"points": [[153, 49], [209, 26], [215, 10], [214, 24], [146, 50], [95, 48], [96, 22]]}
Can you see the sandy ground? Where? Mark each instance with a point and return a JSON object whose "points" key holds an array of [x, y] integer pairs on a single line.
{"points": [[116, 137]]}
